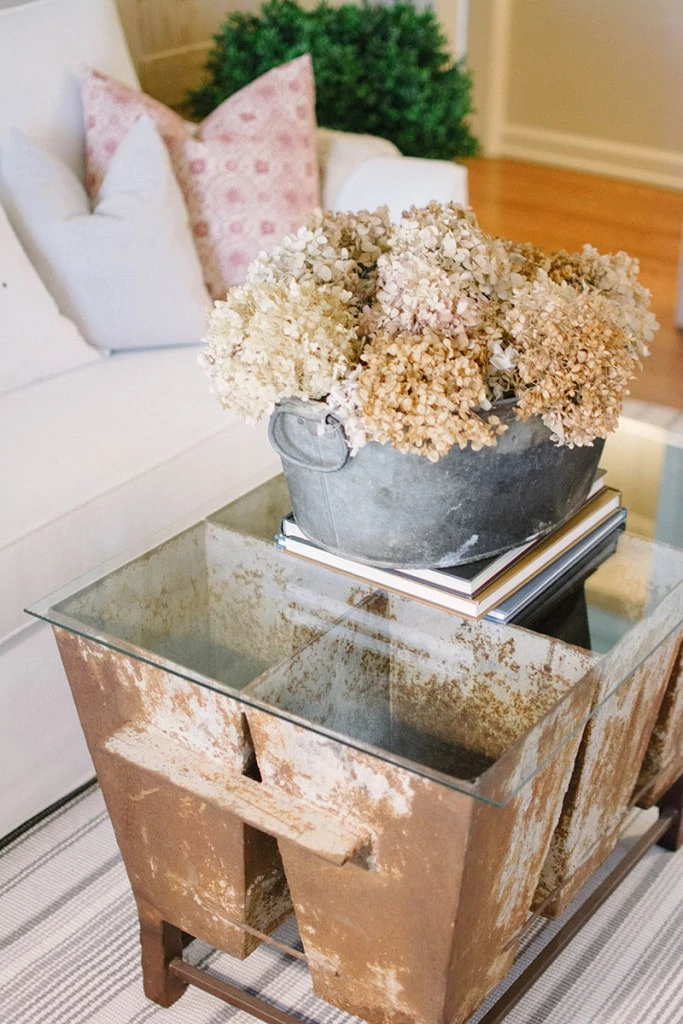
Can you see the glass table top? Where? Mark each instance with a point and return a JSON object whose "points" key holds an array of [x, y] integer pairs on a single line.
{"points": [[215, 602]]}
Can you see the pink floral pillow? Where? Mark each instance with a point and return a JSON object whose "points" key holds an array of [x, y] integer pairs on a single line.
{"points": [[249, 174]]}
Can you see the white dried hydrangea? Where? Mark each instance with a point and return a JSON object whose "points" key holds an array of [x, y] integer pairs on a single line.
{"points": [[449, 237], [333, 248], [410, 332], [270, 341], [413, 295]]}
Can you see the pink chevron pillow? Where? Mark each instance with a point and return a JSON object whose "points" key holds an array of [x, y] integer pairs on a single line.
{"points": [[249, 174]]}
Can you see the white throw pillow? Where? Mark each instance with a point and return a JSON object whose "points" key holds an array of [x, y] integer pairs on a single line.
{"points": [[127, 273], [36, 341]]}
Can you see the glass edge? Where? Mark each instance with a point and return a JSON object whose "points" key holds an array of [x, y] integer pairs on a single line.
{"points": [[130, 650], [475, 790], [199, 515]]}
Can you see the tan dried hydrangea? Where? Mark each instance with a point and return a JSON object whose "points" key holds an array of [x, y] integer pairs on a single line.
{"points": [[616, 277], [271, 341], [575, 360], [443, 273], [525, 259], [421, 393]]}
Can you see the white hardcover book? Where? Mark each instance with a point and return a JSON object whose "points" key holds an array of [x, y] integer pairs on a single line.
{"points": [[554, 551], [470, 578]]}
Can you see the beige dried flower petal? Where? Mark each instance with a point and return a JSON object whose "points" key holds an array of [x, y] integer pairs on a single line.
{"points": [[615, 277], [575, 360], [421, 394], [271, 341]]}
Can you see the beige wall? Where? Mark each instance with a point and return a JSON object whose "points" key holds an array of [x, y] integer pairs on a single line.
{"points": [[170, 39], [591, 84]]}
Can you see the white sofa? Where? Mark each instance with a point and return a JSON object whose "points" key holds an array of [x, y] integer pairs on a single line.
{"points": [[95, 459]]}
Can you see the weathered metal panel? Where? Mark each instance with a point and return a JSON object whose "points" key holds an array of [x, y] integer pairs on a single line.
{"points": [[227, 606], [199, 867], [606, 772], [421, 924], [409, 894], [663, 762]]}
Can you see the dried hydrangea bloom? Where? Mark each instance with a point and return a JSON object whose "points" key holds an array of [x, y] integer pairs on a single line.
{"points": [[344, 401], [272, 341], [332, 248], [575, 360], [525, 259], [449, 237], [615, 277], [421, 394], [413, 295]]}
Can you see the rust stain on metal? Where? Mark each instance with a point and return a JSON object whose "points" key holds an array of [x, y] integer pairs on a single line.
{"points": [[663, 762], [198, 866], [407, 935], [606, 772]]}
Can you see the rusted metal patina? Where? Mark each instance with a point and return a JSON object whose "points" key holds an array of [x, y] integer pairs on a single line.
{"points": [[269, 734], [166, 750], [611, 754], [420, 925], [663, 762], [187, 857]]}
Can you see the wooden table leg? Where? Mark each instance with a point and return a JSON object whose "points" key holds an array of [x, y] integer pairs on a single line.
{"points": [[672, 800], [160, 943]]}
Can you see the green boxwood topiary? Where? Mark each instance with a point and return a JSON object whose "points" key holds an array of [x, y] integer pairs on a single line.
{"points": [[385, 70]]}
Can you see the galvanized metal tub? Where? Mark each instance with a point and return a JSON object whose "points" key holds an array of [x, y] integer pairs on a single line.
{"points": [[389, 509]]}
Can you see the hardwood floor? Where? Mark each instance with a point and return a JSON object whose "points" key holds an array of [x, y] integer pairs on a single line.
{"points": [[559, 209]]}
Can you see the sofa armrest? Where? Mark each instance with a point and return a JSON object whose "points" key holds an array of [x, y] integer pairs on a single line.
{"points": [[362, 172], [340, 153], [400, 184]]}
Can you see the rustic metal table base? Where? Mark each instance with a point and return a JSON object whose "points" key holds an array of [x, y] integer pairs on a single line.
{"points": [[166, 975]]}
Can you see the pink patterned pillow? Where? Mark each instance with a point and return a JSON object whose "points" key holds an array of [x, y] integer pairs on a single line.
{"points": [[249, 175]]}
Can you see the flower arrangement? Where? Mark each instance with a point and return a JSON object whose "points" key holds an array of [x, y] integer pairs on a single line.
{"points": [[412, 332]]}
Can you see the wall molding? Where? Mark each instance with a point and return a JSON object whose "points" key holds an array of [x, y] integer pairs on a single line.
{"points": [[599, 156]]}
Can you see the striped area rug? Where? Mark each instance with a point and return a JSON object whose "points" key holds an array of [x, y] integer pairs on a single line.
{"points": [[68, 934]]}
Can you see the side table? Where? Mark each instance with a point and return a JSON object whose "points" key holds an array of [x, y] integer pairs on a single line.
{"points": [[269, 735]]}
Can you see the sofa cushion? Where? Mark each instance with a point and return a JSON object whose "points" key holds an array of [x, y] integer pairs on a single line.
{"points": [[36, 341], [248, 173], [43, 44], [101, 456], [126, 272]]}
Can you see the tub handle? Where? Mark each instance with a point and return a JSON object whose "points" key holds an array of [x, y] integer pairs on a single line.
{"points": [[333, 437], [269, 810]]}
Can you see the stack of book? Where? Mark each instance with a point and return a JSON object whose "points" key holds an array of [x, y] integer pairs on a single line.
{"points": [[501, 586]]}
